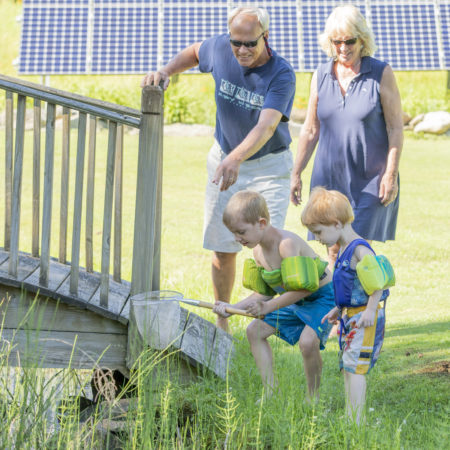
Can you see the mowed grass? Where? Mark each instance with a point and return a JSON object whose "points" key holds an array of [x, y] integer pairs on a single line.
{"points": [[408, 389]]}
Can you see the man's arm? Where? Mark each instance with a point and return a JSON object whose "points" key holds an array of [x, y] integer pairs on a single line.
{"points": [[392, 110], [181, 62], [228, 170]]}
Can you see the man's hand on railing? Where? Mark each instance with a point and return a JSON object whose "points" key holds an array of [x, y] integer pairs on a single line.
{"points": [[158, 78]]}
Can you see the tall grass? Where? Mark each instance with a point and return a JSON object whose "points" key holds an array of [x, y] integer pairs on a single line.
{"points": [[407, 393]]}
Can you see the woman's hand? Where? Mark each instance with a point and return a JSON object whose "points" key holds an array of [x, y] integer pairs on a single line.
{"points": [[388, 189]]}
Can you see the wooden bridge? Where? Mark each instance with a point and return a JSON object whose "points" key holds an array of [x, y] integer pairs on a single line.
{"points": [[55, 312]]}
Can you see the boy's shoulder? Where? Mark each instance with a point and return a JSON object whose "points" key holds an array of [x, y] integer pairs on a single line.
{"points": [[292, 244]]}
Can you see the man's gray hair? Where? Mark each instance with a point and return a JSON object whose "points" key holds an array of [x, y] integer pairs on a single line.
{"points": [[260, 13]]}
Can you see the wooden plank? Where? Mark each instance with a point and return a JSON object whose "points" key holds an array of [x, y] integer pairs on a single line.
{"points": [[30, 311], [90, 195], [107, 214], [48, 193], [76, 230], [36, 177], [118, 189], [9, 132], [117, 296], [3, 256], [65, 349], [26, 264], [58, 273], [88, 283], [17, 186], [223, 353], [197, 341], [64, 201], [156, 275], [100, 108]]}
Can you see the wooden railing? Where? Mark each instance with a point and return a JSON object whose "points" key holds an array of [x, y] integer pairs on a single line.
{"points": [[147, 219]]}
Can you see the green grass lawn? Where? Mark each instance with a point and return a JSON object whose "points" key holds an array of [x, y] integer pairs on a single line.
{"points": [[408, 393], [408, 389]]}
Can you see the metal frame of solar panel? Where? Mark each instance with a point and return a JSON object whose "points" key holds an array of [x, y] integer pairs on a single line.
{"points": [[114, 36]]}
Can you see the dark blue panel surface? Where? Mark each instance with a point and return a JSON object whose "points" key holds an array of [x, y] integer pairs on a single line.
{"points": [[54, 40]]}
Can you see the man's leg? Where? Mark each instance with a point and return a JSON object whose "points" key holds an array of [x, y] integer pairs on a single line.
{"points": [[223, 274], [312, 361]]}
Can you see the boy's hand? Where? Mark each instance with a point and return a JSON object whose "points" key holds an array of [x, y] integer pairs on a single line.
{"points": [[332, 315], [367, 318], [258, 308], [219, 309]]}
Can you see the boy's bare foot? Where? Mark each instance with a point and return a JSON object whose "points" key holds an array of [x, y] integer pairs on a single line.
{"points": [[222, 322]]}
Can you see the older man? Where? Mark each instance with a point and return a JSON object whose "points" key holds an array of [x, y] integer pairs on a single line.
{"points": [[254, 93]]}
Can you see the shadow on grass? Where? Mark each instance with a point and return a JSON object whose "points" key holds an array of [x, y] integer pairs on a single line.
{"points": [[426, 328]]}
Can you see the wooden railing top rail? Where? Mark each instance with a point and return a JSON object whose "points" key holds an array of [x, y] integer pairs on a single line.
{"points": [[99, 108]]}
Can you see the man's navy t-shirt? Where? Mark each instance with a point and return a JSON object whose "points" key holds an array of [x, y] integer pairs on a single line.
{"points": [[241, 94]]}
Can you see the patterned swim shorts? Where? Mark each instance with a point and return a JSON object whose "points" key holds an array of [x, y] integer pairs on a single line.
{"points": [[361, 346]]}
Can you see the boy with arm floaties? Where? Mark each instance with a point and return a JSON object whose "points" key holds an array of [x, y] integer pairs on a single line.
{"points": [[283, 264], [360, 280]]}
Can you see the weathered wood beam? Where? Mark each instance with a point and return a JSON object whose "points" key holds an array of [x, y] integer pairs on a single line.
{"points": [[48, 193]]}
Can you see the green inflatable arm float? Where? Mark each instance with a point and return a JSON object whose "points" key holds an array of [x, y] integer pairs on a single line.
{"points": [[252, 278], [302, 272], [375, 273]]}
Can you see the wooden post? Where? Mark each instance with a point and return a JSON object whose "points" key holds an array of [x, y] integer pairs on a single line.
{"points": [[90, 195], [107, 213], [36, 176], [17, 186], [118, 190], [64, 202], [76, 233], [48, 193], [145, 239], [9, 127]]}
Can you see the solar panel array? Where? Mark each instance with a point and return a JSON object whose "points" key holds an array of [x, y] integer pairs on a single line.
{"points": [[124, 36]]}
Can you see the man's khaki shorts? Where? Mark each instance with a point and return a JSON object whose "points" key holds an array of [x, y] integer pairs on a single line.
{"points": [[269, 175]]}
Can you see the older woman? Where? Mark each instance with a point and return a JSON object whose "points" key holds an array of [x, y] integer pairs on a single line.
{"points": [[355, 113]]}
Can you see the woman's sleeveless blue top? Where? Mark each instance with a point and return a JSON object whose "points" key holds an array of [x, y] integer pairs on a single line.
{"points": [[353, 145]]}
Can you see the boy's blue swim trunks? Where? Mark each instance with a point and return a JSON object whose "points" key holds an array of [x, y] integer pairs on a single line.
{"points": [[291, 320]]}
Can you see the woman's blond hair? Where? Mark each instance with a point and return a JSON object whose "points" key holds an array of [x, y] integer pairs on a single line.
{"points": [[326, 208], [347, 20], [248, 206]]}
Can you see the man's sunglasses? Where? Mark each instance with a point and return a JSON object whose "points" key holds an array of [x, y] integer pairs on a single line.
{"points": [[351, 41], [248, 44]]}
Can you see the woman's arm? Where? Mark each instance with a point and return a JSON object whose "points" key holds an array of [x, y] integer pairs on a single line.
{"points": [[309, 135], [392, 110]]}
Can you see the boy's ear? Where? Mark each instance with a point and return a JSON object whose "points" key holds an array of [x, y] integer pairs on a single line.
{"points": [[338, 225], [262, 221]]}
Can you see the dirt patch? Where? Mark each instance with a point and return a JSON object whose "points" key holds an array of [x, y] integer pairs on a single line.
{"points": [[436, 368]]}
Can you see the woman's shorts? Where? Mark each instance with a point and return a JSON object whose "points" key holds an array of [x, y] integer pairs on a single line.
{"points": [[361, 346], [268, 175], [290, 321]]}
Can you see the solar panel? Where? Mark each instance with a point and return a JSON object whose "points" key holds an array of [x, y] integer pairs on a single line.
{"points": [[406, 35], [444, 14], [125, 36]]}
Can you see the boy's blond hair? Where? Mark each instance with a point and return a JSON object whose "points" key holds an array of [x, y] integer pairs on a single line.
{"points": [[248, 206], [326, 208]]}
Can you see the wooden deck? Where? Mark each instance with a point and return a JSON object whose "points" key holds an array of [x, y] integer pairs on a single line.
{"points": [[77, 331]]}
